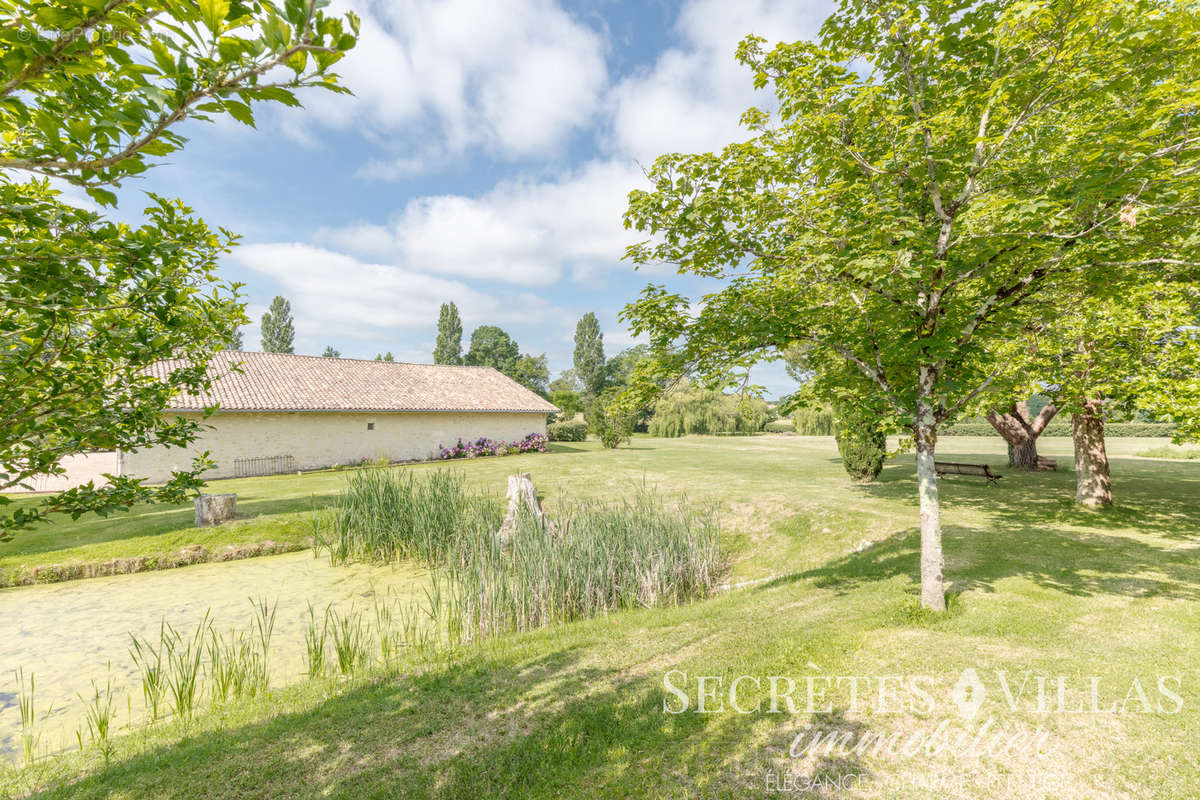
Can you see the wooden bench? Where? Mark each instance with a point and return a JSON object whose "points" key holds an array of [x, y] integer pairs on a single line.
{"points": [[959, 468]]}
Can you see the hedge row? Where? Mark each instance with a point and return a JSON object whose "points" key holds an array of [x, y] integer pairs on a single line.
{"points": [[568, 431], [1153, 429]]}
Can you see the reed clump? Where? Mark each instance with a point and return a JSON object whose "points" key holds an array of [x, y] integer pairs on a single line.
{"points": [[381, 516], [594, 558]]}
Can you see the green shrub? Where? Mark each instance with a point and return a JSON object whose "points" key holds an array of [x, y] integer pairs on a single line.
{"points": [[695, 410], [780, 426], [575, 430], [611, 424], [814, 421], [569, 403], [861, 443]]}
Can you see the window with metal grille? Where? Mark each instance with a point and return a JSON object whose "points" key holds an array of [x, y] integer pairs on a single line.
{"points": [[265, 465]]}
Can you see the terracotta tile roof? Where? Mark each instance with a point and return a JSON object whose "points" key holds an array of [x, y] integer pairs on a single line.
{"points": [[283, 382]]}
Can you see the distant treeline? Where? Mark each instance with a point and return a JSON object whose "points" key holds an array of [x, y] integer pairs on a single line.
{"points": [[1164, 429], [817, 421]]}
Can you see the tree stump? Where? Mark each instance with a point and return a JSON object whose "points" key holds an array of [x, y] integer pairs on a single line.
{"points": [[521, 491], [213, 509]]}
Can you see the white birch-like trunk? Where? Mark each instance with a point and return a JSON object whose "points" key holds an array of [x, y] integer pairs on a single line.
{"points": [[933, 594]]}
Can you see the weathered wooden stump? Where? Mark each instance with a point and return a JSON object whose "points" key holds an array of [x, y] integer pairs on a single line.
{"points": [[213, 509], [521, 491]]}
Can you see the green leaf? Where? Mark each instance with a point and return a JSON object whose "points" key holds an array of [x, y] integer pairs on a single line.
{"points": [[161, 56], [102, 196], [214, 13], [240, 111]]}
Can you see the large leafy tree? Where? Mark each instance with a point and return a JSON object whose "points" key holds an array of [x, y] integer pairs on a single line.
{"points": [[92, 93], [278, 329], [532, 372], [491, 346], [1135, 350], [590, 365], [1020, 428], [448, 349], [933, 171]]}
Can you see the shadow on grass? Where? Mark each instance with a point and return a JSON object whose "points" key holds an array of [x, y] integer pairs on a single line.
{"points": [[820, 758], [558, 447], [1083, 564], [464, 730], [1163, 499]]}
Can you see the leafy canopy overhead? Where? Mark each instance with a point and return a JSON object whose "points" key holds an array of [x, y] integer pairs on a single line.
{"points": [[92, 93], [932, 171]]}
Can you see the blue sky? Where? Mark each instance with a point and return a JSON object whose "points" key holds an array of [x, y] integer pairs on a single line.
{"points": [[484, 158]]}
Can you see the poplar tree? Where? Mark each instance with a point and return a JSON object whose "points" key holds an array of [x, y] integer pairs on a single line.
{"points": [[278, 331], [448, 349]]}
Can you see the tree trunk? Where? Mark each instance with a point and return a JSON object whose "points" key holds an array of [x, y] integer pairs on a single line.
{"points": [[1021, 431], [933, 593], [1093, 484], [521, 492], [1024, 454], [213, 509]]}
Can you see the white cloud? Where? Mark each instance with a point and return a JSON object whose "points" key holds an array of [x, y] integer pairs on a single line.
{"points": [[522, 231], [533, 232], [693, 96], [335, 296], [515, 77]]}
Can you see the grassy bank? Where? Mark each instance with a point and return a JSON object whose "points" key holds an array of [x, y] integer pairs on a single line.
{"points": [[1040, 590]]}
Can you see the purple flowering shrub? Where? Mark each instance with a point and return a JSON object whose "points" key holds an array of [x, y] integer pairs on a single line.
{"points": [[533, 443]]}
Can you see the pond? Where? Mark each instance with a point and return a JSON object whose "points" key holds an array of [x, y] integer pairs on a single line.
{"points": [[69, 634]]}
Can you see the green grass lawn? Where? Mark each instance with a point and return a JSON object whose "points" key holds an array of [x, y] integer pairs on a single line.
{"points": [[1039, 589], [757, 481]]}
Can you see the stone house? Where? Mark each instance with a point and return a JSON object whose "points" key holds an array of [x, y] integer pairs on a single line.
{"points": [[281, 413]]}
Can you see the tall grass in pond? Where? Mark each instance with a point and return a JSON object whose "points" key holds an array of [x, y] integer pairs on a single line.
{"points": [[99, 716], [148, 660], [26, 707], [594, 557], [384, 515], [315, 636], [351, 647], [184, 657]]}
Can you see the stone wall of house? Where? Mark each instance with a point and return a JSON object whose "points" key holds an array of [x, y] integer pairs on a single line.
{"points": [[81, 468], [322, 439]]}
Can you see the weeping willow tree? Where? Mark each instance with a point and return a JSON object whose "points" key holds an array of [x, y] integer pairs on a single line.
{"points": [[814, 420], [694, 409]]}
